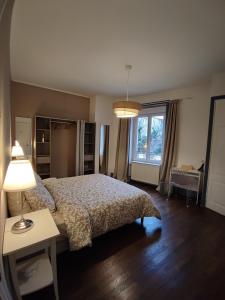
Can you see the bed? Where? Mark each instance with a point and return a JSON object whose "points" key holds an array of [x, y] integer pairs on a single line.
{"points": [[91, 205]]}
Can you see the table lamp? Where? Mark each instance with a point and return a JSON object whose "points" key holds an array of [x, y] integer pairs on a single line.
{"points": [[17, 151], [20, 177]]}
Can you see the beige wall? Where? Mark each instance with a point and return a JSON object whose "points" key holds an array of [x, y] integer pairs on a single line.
{"points": [[28, 101], [5, 21]]}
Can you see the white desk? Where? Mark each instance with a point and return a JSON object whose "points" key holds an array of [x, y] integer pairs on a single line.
{"points": [[188, 180], [39, 269]]}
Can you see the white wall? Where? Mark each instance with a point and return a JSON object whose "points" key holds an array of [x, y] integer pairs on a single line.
{"points": [[101, 113], [5, 21], [217, 89], [218, 84], [192, 133]]}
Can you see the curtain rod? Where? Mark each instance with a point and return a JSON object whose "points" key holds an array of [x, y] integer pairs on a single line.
{"points": [[155, 103]]}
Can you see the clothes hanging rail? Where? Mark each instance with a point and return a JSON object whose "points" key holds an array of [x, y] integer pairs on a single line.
{"points": [[63, 122]]}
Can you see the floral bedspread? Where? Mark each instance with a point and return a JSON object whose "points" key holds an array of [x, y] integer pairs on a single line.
{"points": [[94, 204]]}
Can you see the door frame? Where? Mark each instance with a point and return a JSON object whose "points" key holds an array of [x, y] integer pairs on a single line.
{"points": [[209, 144]]}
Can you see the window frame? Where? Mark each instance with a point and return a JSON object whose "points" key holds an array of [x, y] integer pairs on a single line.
{"points": [[149, 114]]}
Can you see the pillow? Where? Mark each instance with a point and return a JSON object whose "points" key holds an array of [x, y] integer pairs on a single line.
{"points": [[39, 197], [14, 204], [49, 180]]}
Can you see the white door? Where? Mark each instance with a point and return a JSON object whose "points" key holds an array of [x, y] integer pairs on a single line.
{"points": [[216, 179]]}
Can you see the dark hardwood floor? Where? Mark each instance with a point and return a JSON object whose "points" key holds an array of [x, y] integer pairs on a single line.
{"points": [[180, 257]]}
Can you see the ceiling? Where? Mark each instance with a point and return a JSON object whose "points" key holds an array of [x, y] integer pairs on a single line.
{"points": [[82, 46]]}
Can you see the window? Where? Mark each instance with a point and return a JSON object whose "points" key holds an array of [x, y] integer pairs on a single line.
{"points": [[148, 136]]}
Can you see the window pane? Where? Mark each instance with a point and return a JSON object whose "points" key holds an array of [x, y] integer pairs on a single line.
{"points": [[142, 135], [157, 132]]}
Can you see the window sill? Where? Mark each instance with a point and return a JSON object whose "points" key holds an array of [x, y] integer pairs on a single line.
{"points": [[145, 163]]}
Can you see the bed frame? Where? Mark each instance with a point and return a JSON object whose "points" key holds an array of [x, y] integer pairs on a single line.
{"points": [[62, 244]]}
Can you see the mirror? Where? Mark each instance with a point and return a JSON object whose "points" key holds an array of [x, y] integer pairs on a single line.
{"points": [[24, 135], [104, 149]]}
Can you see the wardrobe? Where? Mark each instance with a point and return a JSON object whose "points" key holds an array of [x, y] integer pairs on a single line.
{"points": [[63, 148]]}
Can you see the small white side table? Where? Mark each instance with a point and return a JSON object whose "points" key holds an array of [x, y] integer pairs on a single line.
{"points": [[32, 254], [187, 180]]}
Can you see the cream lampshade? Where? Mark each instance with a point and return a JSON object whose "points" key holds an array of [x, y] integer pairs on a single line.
{"points": [[17, 150], [20, 177], [126, 109]]}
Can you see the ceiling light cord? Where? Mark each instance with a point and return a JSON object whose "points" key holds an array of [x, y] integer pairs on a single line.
{"points": [[128, 69], [126, 109], [128, 76]]}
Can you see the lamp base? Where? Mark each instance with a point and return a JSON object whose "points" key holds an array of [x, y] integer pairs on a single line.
{"points": [[22, 226]]}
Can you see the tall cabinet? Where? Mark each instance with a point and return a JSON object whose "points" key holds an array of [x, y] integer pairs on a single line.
{"points": [[89, 148]]}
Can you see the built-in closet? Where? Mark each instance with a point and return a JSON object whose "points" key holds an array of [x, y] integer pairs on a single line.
{"points": [[63, 148]]}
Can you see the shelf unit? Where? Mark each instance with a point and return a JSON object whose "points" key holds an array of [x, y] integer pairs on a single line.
{"points": [[32, 254], [89, 148], [43, 146], [38, 273]]}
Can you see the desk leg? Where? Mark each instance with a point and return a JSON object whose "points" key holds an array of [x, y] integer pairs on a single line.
{"points": [[169, 191], [197, 198], [54, 268], [187, 200], [12, 265]]}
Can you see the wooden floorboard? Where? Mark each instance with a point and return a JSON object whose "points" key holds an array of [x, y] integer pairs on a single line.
{"points": [[180, 257]]}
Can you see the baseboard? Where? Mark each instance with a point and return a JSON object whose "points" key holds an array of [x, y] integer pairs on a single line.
{"points": [[216, 208]]}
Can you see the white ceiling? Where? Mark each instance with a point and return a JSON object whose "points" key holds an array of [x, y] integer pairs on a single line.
{"points": [[82, 46]]}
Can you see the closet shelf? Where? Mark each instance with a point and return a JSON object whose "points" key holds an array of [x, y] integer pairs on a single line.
{"points": [[43, 149], [44, 174], [41, 129]]}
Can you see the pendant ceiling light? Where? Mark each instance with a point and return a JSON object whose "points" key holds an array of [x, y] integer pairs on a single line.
{"points": [[126, 109]]}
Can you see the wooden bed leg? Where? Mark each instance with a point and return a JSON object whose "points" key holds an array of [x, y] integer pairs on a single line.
{"points": [[142, 221]]}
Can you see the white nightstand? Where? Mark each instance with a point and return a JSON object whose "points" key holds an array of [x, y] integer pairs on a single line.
{"points": [[32, 254]]}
